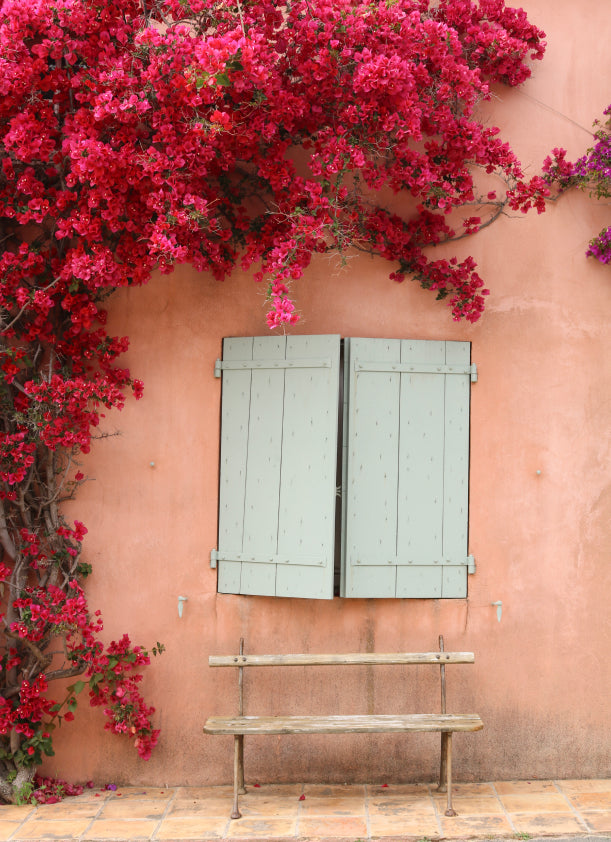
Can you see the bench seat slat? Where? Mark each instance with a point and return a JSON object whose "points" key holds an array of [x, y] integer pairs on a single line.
{"points": [[364, 724], [356, 658]]}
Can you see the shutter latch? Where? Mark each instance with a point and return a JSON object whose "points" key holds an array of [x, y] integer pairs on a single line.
{"points": [[473, 368], [470, 564], [213, 558], [217, 368]]}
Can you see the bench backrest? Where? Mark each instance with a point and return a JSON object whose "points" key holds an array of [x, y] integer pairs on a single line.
{"points": [[356, 658], [440, 659]]}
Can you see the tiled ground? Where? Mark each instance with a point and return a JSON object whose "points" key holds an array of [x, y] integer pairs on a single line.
{"points": [[509, 809]]}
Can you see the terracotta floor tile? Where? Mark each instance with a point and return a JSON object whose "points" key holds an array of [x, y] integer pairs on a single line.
{"points": [[192, 828], [69, 809], [524, 787], [467, 789], [274, 805], [7, 829], [196, 793], [594, 785], [122, 829], [204, 807], [274, 789], [550, 823], [152, 809], [142, 792], [400, 798], [402, 826], [324, 826], [468, 826], [261, 828], [598, 822], [12, 813], [592, 800], [48, 829], [341, 805], [419, 807], [537, 802], [379, 791], [471, 805], [335, 790]]}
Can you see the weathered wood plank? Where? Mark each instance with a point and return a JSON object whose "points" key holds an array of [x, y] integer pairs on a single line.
{"points": [[456, 471], [371, 492], [421, 465], [306, 522], [353, 658], [234, 453], [367, 724]]}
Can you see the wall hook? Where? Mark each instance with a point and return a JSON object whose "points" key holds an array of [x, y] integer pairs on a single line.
{"points": [[181, 601], [499, 609]]}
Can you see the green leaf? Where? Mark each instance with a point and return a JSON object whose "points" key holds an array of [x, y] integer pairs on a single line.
{"points": [[84, 569]]}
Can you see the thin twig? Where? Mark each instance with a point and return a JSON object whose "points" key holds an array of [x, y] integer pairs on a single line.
{"points": [[241, 18]]}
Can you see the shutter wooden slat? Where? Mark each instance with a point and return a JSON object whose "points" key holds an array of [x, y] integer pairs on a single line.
{"points": [[373, 447], [420, 499], [234, 454], [263, 466], [307, 491], [456, 471]]}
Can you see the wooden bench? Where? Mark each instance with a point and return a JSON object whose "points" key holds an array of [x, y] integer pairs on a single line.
{"points": [[445, 723]]}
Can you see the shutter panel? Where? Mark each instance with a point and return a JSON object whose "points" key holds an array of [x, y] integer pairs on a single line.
{"points": [[278, 466], [406, 502]]}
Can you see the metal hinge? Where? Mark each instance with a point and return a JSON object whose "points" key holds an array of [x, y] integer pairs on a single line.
{"points": [[213, 558], [417, 368], [267, 365], [470, 564]]}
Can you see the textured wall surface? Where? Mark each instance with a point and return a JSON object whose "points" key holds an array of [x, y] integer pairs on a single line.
{"points": [[540, 498]]}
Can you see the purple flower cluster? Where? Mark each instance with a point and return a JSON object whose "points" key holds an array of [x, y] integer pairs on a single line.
{"points": [[600, 247], [592, 172]]}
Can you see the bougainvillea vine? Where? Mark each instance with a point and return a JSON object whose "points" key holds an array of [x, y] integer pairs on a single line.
{"points": [[138, 134]]}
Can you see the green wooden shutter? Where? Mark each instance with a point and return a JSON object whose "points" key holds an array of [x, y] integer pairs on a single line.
{"points": [[278, 465], [406, 485]]}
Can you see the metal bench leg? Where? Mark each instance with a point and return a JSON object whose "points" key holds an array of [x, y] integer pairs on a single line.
{"points": [[450, 810], [443, 774], [238, 771], [241, 787]]}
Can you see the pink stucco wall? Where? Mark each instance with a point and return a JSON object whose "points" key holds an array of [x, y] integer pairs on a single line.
{"points": [[540, 511]]}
